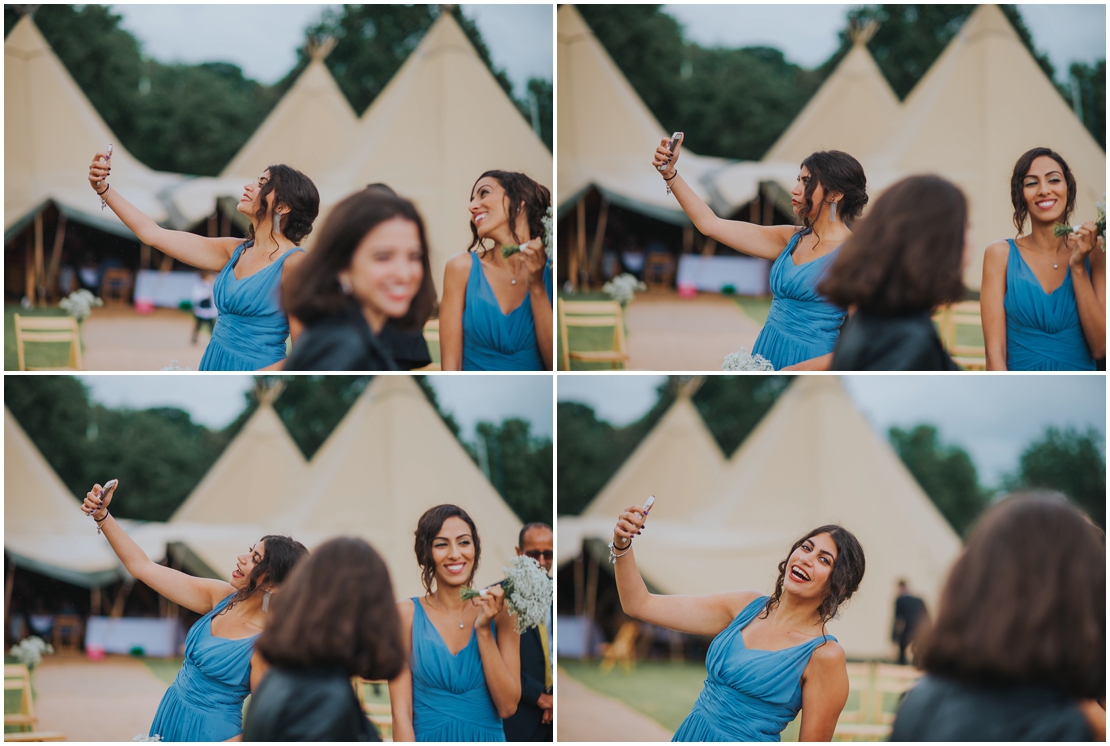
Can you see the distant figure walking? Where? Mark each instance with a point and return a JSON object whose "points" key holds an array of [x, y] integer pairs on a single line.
{"points": [[910, 615]]}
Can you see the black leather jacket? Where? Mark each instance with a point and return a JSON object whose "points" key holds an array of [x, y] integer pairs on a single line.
{"points": [[309, 705], [869, 342]]}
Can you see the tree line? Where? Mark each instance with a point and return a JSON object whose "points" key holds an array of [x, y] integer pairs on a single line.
{"points": [[743, 99], [164, 454], [193, 119], [1068, 460]]}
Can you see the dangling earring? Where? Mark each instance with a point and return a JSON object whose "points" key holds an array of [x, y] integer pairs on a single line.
{"points": [[266, 601], [832, 212], [345, 285], [277, 222]]}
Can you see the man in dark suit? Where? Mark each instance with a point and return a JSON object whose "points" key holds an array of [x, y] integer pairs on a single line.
{"points": [[910, 616], [534, 716]]}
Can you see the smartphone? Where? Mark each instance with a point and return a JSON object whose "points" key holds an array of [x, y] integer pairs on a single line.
{"points": [[107, 486], [675, 137], [648, 504], [110, 151]]}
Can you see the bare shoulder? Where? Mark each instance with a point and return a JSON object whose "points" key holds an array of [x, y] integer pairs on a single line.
{"points": [[295, 259], [458, 268], [997, 252], [738, 600], [406, 607], [828, 656]]}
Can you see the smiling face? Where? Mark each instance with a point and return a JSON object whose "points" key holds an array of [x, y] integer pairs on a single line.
{"points": [[245, 564], [249, 202], [1044, 189], [453, 553], [386, 270], [489, 208], [539, 544], [809, 567], [798, 194]]}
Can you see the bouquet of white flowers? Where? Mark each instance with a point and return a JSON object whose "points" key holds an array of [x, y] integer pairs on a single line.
{"points": [[80, 304], [174, 366], [742, 360], [144, 737], [622, 288], [548, 241], [29, 651], [528, 592]]}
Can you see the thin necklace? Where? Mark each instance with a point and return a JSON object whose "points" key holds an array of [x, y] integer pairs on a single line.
{"points": [[448, 613], [512, 277], [1055, 255]]}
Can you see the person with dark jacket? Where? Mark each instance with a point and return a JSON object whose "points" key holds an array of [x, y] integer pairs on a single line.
{"points": [[1018, 650], [534, 715], [365, 291], [334, 619], [910, 615], [902, 261]]}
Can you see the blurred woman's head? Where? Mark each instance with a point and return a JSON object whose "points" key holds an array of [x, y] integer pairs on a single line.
{"points": [[264, 566], [1042, 187], [825, 176], [287, 192], [1025, 603], [337, 610], [826, 564], [507, 207], [372, 248], [908, 254], [447, 547]]}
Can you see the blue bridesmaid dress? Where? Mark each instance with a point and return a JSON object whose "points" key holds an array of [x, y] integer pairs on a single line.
{"points": [[749, 695], [493, 340], [1042, 329], [450, 700], [801, 323], [205, 701], [252, 326]]}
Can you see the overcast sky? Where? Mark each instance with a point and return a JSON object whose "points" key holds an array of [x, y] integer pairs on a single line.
{"points": [[993, 418], [263, 39], [807, 34], [216, 400]]}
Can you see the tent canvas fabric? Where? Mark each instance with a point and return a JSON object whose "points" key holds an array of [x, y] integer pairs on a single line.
{"points": [[389, 460], [440, 122], [44, 528], [607, 134], [983, 103], [51, 132]]}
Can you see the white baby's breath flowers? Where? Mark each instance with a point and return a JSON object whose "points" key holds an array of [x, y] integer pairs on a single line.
{"points": [[548, 232], [80, 304], [144, 737], [622, 288], [174, 366], [742, 360], [528, 592], [30, 650]]}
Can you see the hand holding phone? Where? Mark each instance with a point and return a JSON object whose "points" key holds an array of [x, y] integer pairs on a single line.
{"points": [[671, 145]]}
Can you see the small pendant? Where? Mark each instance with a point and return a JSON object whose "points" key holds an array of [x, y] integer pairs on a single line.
{"points": [[513, 282], [1055, 265], [460, 626]]}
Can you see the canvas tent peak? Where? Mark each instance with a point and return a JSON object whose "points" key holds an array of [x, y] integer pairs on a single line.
{"points": [[440, 122]]}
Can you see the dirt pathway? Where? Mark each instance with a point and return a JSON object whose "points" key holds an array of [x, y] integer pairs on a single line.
{"points": [[121, 339], [666, 332], [585, 715], [110, 700]]}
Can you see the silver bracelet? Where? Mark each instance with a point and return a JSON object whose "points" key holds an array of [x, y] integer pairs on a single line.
{"points": [[100, 523], [613, 556]]}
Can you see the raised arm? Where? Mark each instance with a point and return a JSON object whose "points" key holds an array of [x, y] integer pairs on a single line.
{"points": [[197, 594], [766, 242], [400, 688], [197, 251], [696, 615], [451, 312], [1090, 289], [992, 293], [824, 692], [500, 656]]}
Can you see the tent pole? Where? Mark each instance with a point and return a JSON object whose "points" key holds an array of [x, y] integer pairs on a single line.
{"points": [[40, 289], [768, 211], [94, 602], [56, 253], [144, 256], [687, 238], [580, 250], [121, 598], [29, 271], [9, 584], [212, 226], [579, 583], [599, 238]]}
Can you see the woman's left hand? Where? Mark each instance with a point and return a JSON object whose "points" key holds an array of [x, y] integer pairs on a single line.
{"points": [[489, 605], [1081, 243], [535, 259]]}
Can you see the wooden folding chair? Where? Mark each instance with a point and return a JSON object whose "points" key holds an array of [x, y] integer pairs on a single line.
{"points": [[67, 633], [623, 649], [949, 319], [592, 314], [891, 682], [115, 286], [49, 329], [18, 678], [380, 714]]}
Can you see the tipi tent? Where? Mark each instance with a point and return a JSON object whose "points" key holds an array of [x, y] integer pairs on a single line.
{"points": [[51, 133], [44, 528], [439, 124], [390, 459], [607, 134], [679, 462], [981, 105], [812, 460]]}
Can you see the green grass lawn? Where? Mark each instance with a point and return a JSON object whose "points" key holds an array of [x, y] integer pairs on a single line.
{"points": [[586, 339], [39, 354], [754, 307]]}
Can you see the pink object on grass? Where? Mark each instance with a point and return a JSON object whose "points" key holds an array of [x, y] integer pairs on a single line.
{"points": [[143, 305], [687, 290], [95, 652]]}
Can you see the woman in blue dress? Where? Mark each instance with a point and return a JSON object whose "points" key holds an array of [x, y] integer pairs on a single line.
{"points": [[496, 310], [205, 701], [770, 655], [463, 673], [802, 327], [252, 326], [1043, 298]]}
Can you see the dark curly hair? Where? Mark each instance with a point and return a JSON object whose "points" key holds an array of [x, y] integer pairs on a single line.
{"points": [[522, 193], [282, 553], [846, 574], [1017, 192], [297, 192], [426, 530], [835, 171], [337, 610]]}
